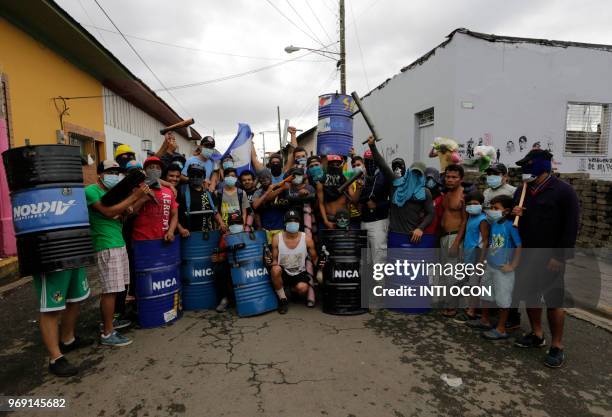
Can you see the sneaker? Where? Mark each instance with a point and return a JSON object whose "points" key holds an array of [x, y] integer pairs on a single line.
{"points": [[463, 318], [77, 343], [115, 339], [118, 324], [494, 334], [478, 325], [61, 367], [530, 340], [554, 358], [222, 307], [283, 306]]}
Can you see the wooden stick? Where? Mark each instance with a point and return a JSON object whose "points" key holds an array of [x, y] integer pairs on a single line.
{"points": [[521, 201], [181, 124], [283, 182]]}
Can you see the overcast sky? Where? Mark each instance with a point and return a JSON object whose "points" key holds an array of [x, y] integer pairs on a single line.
{"points": [[221, 38]]}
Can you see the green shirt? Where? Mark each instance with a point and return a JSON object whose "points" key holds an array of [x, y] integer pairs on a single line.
{"points": [[106, 233]]}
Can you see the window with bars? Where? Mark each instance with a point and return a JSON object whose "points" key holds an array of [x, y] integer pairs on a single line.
{"points": [[587, 129], [425, 118]]}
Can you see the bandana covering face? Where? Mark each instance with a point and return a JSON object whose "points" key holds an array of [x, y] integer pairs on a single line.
{"points": [[410, 186]]}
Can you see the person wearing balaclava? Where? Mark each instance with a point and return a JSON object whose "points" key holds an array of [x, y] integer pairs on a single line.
{"points": [[315, 170], [123, 155], [373, 200], [197, 207], [289, 252], [329, 197], [548, 226], [411, 208], [157, 219]]}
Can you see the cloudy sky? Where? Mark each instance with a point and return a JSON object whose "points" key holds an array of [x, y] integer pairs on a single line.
{"points": [[196, 41]]}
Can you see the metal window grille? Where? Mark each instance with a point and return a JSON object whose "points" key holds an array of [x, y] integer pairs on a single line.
{"points": [[86, 144], [587, 130], [425, 118]]}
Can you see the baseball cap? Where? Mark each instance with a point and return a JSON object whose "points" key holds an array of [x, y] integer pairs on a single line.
{"points": [[368, 154], [208, 142], [497, 169], [152, 160], [292, 215], [535, 154], [334, 158], [419, 166], [108, 165]]}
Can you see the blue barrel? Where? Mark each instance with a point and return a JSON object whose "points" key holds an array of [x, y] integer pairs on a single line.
{"points": [[422, 251], [49, 207], [197, 270], [335, 128], [252, 286], [158, 281]]}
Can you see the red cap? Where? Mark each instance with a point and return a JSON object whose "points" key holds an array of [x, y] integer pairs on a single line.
{"points": [[152, 160], [367, 154], [334, 158]]}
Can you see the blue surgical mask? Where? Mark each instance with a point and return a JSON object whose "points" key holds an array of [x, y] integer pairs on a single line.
{"points": [[230, 181], [228, 164], [110, 180], [316, 172], [494, 215], [292, 227], [356, 170], [207, 152], [301, 161], [494, 181], [474, 209], [235, 228]]}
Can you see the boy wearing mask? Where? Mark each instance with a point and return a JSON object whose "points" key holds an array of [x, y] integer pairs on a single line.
{"points": [[111, 255], [156, 219], [248, 184], [231, 198], [289, 251]]}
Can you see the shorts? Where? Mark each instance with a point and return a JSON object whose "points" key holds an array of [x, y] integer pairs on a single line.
{"points": [[271, 233], [114, 269], [293, 280], [501, 284], [536, 285], [55, 289]]}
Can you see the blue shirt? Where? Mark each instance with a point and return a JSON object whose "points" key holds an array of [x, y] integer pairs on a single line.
{"points": [[503, 238], [208, 165], [472, 238]]}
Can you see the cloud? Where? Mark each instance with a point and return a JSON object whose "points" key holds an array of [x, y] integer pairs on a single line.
{"points": [[392, 34]]}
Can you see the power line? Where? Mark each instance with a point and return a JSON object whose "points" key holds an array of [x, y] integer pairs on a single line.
{"points": [[141, 58], [90, 19], [292, 22], [304, 21], [318, 21], [359, 44], [190, 48]]}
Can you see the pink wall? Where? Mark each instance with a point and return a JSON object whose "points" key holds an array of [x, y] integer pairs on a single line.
{"points": [[7, 233]]}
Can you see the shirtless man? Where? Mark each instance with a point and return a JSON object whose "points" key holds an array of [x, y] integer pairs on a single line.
{"points": [[329, 198], [454, 219]]}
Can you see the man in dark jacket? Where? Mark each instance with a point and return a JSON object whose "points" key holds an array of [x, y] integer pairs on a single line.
{"points": [[548, 227]]}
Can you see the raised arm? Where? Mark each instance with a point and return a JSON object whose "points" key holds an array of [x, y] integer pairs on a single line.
{"points": [[379, 160], [293, 143], [256, 164]]}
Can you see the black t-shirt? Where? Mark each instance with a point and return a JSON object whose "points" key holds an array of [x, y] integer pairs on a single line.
{"points": [[199, 201]]}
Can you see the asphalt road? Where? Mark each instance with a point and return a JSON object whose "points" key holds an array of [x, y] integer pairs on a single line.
{"points": [[306, 364]]}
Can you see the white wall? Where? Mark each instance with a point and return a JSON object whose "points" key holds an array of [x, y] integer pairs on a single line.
{"points": [[523, 90], [127, 124], [393, 107]]}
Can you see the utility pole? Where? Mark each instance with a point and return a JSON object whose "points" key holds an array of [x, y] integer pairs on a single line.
{"points": [[280, 136], [342, 51]]}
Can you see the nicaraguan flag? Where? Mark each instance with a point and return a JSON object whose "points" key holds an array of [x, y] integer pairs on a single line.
{"points": [[240, 148]]}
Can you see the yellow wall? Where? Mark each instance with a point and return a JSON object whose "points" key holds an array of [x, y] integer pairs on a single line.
{"points": [[35, 75]]}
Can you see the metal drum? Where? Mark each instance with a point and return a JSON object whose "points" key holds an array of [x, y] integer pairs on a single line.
{"points": [[29, 166], [335, 128], [424, 251], [342, 275], [158, 283], [197, 270], [251, 279], [49, 208]]}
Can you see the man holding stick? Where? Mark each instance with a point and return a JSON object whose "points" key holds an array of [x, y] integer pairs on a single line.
{"points": [[548, 227]]}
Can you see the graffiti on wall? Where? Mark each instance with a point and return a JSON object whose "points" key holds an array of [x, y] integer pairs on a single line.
{"points": [[597, 166], [509, 150]]}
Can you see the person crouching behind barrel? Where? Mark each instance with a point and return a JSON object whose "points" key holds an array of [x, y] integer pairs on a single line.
{"points": [[289, 251], [223, 276]]}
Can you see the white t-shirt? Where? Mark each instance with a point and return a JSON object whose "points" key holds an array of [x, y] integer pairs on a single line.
{"points": [[490, 193]]}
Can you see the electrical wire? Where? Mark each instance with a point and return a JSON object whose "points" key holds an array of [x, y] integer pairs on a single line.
{"points": [[304, 21], [318, 21], [365, 73], [190, 48], [90, 19], [292, 22], [141, 58]]}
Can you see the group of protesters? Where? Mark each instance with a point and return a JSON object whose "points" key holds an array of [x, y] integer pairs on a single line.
{"points": [[291, 200]]}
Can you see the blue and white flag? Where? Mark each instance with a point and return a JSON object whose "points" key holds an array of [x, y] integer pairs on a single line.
{"points": [[240, 148]]}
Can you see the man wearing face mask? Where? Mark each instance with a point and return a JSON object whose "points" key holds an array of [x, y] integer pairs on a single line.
{"points": [[275, 161], [231, 198], [548, 228], [315, 171], [497, 184], [289, 252], [194, 200], [329, 198], [248, 184], [123, 155], [298, 193], [266, 203], [111, 255], [205, 161], [357, 168], [156, 219], [299, 157]]}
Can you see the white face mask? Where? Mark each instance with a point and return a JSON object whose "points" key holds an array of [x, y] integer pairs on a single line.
{"points": [[298, 180], [528, 178], [235, 228], [398, 173]]}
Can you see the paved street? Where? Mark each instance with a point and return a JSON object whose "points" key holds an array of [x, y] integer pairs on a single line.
{"points": [[307, 364]]}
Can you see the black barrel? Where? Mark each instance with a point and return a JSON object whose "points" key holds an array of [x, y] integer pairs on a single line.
{"points": [[29, 166], [56, 250], [342, 272]]}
